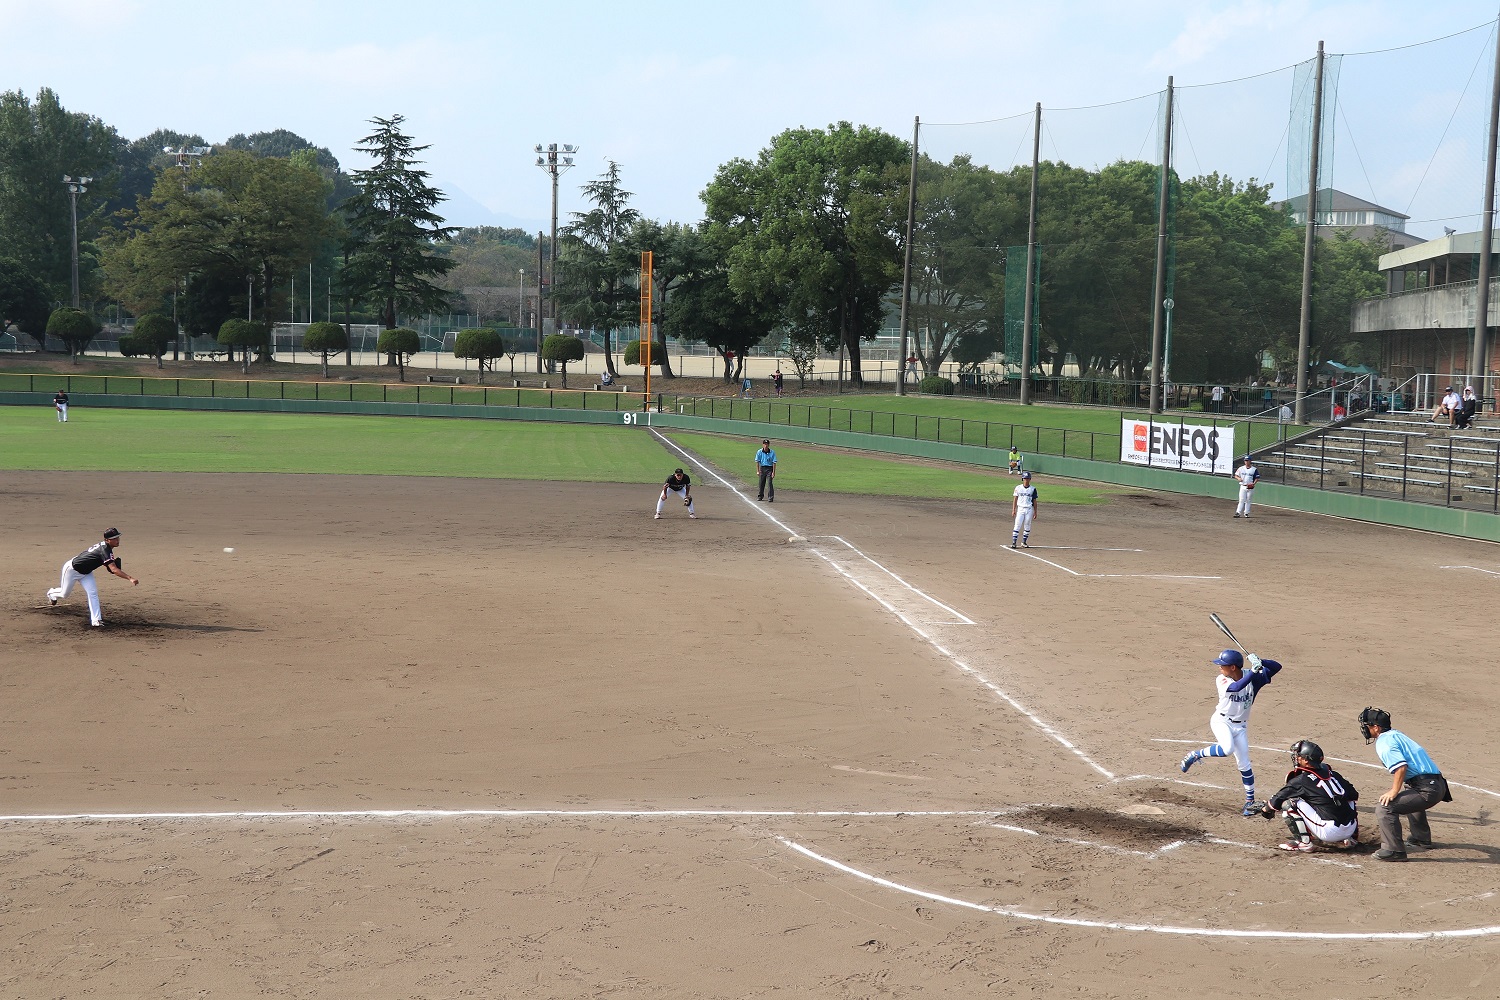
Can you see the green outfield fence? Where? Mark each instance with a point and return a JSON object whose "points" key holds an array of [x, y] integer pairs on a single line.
{"points": [[1101, 446]]}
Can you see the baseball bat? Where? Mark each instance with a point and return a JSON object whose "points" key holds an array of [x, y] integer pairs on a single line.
{"points": [[1225, 629]]}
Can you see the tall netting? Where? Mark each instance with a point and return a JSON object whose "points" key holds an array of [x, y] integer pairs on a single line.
{"points": [[1401, 160]]}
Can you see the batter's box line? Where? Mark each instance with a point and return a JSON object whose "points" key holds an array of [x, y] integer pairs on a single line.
{"points": [[1107, 576]]}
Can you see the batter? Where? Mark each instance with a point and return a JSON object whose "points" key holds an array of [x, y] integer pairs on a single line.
{"points": [[1237, 690]]}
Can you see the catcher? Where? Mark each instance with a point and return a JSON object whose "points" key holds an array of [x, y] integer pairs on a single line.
{"points": [[679, 484], [1317, 803]]}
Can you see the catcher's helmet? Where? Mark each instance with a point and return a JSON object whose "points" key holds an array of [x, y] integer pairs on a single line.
{"points": [[1229, 658], [1373, 717], [1308, 750]]}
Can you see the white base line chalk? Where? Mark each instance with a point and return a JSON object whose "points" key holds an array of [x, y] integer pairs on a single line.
{"points": [[382, 814]]}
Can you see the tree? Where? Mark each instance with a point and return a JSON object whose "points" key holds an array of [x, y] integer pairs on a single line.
{"points": [[23, 299], [324, 339], [597, 284], [393, 228], [707, 308], [139, 163], [74, 327], [814, 223], [802, 351], [40, 142], [244, 334], [399, 345], [562, 348], [154, 334], [481, 344], [635, 352]]}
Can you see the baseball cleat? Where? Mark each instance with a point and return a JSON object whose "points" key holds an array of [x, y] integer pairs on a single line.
{"points": [[658, 517], [1384, 855], [51, 602], [1191, 759], [1423, 844], [1305, 847], [1012, 544], [693, 516], [1025, 545]]}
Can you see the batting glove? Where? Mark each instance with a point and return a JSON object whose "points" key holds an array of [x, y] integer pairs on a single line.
{"points": [[1254, 662]]}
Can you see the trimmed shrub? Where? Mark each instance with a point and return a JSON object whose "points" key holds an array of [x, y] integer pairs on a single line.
{"points": [[635, 349], [562, 348], [935, 385], [244, 334], [154, 334], [482, 344], [400, 344], [324, 339], [74, 327]]}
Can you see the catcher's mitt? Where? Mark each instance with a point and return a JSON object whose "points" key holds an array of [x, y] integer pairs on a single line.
{"points": [[1262, 809]]}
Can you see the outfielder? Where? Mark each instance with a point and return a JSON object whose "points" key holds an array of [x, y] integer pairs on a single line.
{"points": [[680, 484], [80, 570], [1023, 503], [1248, 475], [1237, 690], [60, 400], [1317, 803]]}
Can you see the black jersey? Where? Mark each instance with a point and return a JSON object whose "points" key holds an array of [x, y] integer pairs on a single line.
{"points": [[675, 482], [60, 398], [93, 557], [1323, 788]]}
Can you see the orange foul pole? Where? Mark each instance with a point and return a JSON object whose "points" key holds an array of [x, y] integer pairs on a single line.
{"points": [[645, 346]]}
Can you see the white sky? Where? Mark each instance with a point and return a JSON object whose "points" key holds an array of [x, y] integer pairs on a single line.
{"points": [[674, 89]]}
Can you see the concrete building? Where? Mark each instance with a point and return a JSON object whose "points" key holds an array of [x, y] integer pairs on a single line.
{"points": [[1363, 220]]}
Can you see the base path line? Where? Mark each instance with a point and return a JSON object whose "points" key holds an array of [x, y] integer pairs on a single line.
{"points": [[379, 814], [1035, 720], [1476, 569], [1149, 928], [1104, 576]]}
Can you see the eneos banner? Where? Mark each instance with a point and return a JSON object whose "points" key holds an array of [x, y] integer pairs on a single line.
{"points": [[1176, 444]]}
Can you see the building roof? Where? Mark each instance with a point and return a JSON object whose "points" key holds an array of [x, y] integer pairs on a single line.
{"points": [[1454, 244], [1342, 202]]}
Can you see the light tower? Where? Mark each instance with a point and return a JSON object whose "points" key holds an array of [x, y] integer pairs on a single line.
{"points": [[555, 159], [76, 187], [185, 157]]}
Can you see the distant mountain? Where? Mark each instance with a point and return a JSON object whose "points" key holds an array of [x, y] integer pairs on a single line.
{"points": [[462, 209]]}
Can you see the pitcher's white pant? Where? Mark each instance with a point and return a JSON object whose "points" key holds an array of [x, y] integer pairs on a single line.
{"points": [[1022, 527], [62, 413], [1232, 737], [70, 576], [682, 493], [1243, 507], [1322, 829]]}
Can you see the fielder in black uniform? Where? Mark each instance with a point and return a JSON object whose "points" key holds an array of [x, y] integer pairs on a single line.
{"points": [[60, 400], [1317, 803], [680, 484], [80, 570]]}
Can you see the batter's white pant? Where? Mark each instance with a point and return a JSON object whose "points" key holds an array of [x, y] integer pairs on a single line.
{"points": [[1232, 737], [1022, 527], [70, 576], [681, 494], [1322, 829], [1243, 507], [62, 413]]}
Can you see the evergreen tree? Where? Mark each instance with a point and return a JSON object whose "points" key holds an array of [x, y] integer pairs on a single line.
{"points": [[393, 228]]}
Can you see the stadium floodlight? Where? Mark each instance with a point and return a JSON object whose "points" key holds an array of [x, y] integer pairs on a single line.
{"points": [[555, 159], [76, 186]]}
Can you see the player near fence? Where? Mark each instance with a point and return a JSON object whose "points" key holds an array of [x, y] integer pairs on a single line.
{"points": [[1013, 462], [1023, 504], [80, 571], [1317, 803], [1248, 475], [1230, 722], [679, 484]]}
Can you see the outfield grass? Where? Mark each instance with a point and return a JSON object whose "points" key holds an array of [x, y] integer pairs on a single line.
{"points": [[819, 471], [184, 441]]}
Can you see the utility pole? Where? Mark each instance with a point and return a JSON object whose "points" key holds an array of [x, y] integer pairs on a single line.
{"points": [[1309, 243], [76, 187], [911, 216], [555, 159], [1478, 362], [1159, 288], [1028, 313]]}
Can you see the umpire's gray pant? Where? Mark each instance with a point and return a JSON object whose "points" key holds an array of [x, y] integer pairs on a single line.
{"points": [[1417, 796]]}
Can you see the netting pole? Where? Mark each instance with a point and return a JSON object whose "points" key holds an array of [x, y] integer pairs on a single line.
{"points": [[1304, 325], [911, 215], [1482, 303], [1159, 288], [1026, 315]]}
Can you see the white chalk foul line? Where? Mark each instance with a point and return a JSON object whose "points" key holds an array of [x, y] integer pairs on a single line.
{"points": [[1474, 568], [920, 593], [1106, 576], [384, 814], [986, 682], [1149, 928]]}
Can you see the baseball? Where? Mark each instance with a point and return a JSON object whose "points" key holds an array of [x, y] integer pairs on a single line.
{"points": [[228, 549]]}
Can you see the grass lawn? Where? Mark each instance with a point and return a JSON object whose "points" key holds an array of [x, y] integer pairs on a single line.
{"points": [[178, 441], [819, 471]]}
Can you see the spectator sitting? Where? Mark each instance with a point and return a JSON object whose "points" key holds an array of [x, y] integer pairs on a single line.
{"points": [[607, 378], [1339, 413], [1467, 407], [1450, 403]]}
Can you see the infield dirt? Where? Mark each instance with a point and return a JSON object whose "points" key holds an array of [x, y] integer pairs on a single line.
{"points": [[423, 644]]}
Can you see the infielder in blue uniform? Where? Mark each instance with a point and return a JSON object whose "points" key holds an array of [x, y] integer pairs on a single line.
{"points": [[1248, 475], [80, 570], [1237, 690]]}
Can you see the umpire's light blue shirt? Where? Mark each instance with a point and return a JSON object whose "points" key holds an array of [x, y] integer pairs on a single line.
{"points": [[764, 458], [1396, 748]]}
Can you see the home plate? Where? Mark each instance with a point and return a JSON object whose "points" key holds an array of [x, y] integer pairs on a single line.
{"points": [[1140, 810]]}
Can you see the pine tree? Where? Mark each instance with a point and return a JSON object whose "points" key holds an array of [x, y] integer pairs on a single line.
{"points": [[392, 227]]}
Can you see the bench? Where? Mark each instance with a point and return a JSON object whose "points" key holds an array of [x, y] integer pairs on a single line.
{"points": [[612, 387], [1425, 469], [447, 379]]}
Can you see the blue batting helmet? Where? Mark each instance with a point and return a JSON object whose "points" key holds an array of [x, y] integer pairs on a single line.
{"points": [[1229, 658]]}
